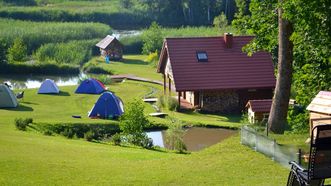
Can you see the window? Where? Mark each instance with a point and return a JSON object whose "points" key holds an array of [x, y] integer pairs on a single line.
{"points": [[202, 56]]}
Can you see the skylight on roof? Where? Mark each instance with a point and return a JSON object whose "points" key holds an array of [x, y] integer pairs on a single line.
{"points": [[202, 56]]}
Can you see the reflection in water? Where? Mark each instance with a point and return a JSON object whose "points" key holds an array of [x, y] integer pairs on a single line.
{"points": [[195, 138], [29, 81]]}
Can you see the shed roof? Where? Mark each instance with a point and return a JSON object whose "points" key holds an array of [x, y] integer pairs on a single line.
{"points": [[321, 103], [263, 105], [105, 42], [226, 68]]}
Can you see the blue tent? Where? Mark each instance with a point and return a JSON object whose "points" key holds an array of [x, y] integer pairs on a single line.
{"points": [[90, 86], [107, 106]]}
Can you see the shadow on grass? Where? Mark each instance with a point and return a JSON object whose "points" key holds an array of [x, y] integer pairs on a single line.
{"points": [[29, 103], [62, 93], [20, 107], [133, 61]]}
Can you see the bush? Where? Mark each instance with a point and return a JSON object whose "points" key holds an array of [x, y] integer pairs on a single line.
{"points": [[167, 102], [133, 122], [175, 134], [18, 51], [298, 119], [152, 39], [116, 139], [68, 132], [22, 123], [87, 131], [153, 58], [89, 135]]}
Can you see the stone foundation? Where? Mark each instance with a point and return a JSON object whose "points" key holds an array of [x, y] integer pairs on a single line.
{"points": [[226, 101]]}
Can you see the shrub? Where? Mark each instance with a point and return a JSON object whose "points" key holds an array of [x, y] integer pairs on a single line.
{"points": [[89, 135], [68, 132], [133, 122], [48, 133], [22, 123], [175, 134], [167, 102], [152, 39], [116, 139], [220, 21], [153, 58], [18, 51], [87, 131], [298, 119], [172, 103]]}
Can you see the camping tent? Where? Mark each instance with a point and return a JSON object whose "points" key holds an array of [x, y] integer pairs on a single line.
{"points": [[107, 106], [7, 97], [90, 86], [48, 87]]}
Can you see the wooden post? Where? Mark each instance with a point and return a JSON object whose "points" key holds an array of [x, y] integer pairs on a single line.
{"points": [[184, 94], [169, 86], [164, 84], [178, 100]]}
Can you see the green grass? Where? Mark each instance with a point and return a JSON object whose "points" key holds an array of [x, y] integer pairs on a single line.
{"points": [[131, 64], [29, 158]]}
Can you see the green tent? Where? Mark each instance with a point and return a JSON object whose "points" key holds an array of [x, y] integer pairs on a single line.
{"points": [[7, 97]]}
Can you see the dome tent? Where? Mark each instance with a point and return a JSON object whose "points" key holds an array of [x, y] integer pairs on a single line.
{"points": [[48, 87], [90, 86], [7, 97], [107, 106]]}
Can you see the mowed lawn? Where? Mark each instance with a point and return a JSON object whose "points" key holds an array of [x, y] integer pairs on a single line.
{"points": [[30, 158], [131, 64]]}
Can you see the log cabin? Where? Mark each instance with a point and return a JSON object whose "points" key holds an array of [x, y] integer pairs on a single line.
{"points": [[111, 47], [213, 74]]}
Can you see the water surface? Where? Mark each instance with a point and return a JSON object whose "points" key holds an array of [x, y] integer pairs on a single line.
{"points": [[195, 138]]}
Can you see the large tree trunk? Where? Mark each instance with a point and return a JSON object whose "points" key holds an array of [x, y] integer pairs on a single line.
{"points": [[278, 113]]}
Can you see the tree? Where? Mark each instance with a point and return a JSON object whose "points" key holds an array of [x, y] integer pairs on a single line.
{"points": [[133, 122], [278, 113], [152, 39], [311, 42], [18, 51], [220, 21]]}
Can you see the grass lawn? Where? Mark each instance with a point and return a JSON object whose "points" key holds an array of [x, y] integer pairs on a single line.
{"points": [[131, 64], [30, 158]]}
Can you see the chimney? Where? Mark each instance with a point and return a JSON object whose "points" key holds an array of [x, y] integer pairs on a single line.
{"points": [[228, 39]]}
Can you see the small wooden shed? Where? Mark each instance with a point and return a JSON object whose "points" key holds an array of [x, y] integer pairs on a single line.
{"points": [[111, 47], [320, 109], [258, 110]]}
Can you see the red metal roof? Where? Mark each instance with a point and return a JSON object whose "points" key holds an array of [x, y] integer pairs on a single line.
{"points": [[263, 105], [227, 68]]}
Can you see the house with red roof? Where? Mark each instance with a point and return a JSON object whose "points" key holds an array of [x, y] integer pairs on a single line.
{"points": [[258, 110], [213, 74]]}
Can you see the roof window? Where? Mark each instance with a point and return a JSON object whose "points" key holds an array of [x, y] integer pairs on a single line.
{"points": [[202, 56]]}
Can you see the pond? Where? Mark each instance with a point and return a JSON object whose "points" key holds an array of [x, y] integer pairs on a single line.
{"points": [[124, 33], [34, 81], [195, 138]]}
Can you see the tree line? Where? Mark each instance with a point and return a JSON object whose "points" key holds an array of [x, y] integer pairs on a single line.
{"points": [[138, 13]]}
